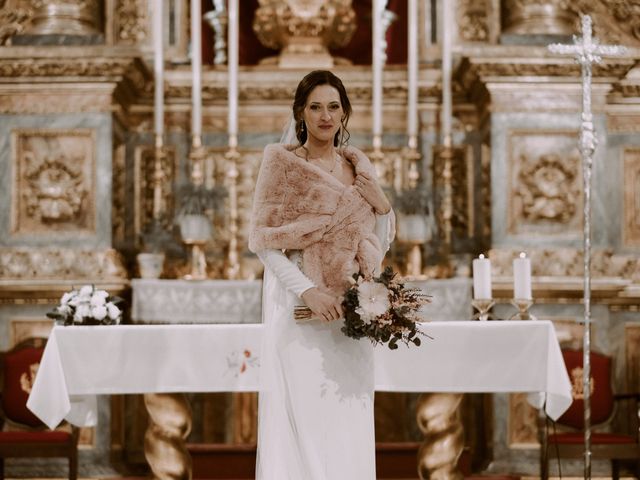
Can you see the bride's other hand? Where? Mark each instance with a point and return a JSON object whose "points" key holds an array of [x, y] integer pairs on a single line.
{"points": [[323, 305], [371, 191]]}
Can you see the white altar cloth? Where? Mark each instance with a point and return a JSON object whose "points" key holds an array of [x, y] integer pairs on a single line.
{"points": [[81, 362]]}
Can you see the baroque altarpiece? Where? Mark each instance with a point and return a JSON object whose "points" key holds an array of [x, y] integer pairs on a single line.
{"points": [[78, 185]]}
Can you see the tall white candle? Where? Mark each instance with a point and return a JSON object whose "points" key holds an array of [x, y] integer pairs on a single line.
{"points": [[446, 72], [232, 43], [376, 65], [412, 73], [522, 277], [196, 69], [481, 278], [158, 69]]}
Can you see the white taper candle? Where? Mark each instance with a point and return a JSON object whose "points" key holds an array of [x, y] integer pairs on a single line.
{"points": [[481, 278], [232, 43], [412, 72], [158, 69], [196, 69], [376, 65], [522, 277], [446, 72]]}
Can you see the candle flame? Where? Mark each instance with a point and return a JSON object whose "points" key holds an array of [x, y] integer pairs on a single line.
{"points": [[523, 255], [481, 256]]}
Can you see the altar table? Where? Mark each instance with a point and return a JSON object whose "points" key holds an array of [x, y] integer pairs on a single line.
{"points": [[81, 362]]}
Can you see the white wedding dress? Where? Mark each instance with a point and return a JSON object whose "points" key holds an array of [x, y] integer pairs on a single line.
{"points": [[315, 418]]}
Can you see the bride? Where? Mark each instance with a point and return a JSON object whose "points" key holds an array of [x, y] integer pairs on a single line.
{"points": [[318, 216]]}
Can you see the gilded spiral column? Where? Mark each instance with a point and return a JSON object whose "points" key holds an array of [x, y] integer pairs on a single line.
{"points": [[439, 420], [164, 440]]}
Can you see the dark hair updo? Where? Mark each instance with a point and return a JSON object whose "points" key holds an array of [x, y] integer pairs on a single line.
{"points": [[305, 87]]}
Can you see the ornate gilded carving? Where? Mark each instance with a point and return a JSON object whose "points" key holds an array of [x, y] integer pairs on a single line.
{"points": [[131, 21], [545, 183], [54, 181], [61, 264], [304, 29], [631, 206], [485, 192], [65, 17], [517, 67], [453, 187], [13, 19], [522, 425], [577, 383], [439, 420], [144, 168], [550, 17], [565, 262], [27, 379], [164, 441], [473, 24], [541, 188], [615, 21], [130, 72], [119, 196]]}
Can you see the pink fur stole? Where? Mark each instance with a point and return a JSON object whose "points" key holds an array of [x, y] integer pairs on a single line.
{"points": [[299, 206]]}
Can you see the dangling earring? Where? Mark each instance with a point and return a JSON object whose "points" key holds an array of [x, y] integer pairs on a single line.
{"points": [[303, 127]]}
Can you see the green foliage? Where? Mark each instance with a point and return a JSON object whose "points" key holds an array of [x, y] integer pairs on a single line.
{"points": [[398, 324]]}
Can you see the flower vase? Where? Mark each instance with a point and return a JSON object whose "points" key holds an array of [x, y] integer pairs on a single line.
{"points": [[150, 265]]}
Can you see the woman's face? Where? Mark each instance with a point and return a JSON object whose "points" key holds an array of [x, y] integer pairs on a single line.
{"points": [[322, 113]]}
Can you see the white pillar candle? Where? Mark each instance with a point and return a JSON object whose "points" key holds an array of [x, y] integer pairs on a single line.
{"points": [[196, 69], [376, 65], [446, 72], [522, 277], [158, 69], [232, 61], [412, 73], [481, 278]]}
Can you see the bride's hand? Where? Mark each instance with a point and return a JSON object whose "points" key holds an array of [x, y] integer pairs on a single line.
{"points": [[323, 305], [368, 187]]}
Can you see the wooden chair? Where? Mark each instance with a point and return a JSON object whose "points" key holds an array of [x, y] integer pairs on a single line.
{"points": [[30, 438], [613, 446]]}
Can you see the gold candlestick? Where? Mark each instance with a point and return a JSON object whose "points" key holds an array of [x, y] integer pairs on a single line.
{"points": [[523, 305], [482, 305], [198, 269]]}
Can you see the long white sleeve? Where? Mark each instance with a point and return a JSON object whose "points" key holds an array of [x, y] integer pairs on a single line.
{"points": [[285, 270], [385, 229]]}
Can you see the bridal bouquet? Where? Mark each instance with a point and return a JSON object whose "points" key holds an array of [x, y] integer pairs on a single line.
{"points": [[87, 306], [381, 309]]}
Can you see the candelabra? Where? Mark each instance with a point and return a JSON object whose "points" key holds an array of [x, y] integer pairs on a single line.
{"points": [[232, 270], [482, 305], [195, 226], [523, 305]]}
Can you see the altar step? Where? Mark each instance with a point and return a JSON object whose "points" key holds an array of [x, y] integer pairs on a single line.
{"points": [[395, 461]]}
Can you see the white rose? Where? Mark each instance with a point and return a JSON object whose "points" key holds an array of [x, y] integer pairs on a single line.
{"points": [[82, 311], [99, 298], [67, 297], [64, 310], [113, 311], [99, 312], [85, 293]]}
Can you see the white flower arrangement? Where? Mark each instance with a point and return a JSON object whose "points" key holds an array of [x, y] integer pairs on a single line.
{"points": [[87, 306]]}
